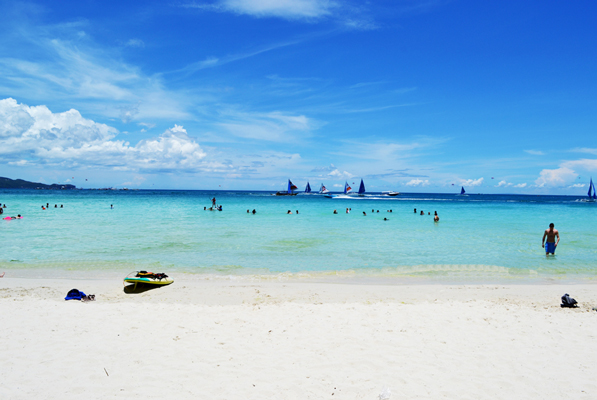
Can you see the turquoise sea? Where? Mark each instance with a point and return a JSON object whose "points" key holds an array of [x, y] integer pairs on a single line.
{"points": [[479, 238]]}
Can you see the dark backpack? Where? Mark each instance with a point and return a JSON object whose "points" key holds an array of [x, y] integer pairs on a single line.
{"points": [[568, 301]]}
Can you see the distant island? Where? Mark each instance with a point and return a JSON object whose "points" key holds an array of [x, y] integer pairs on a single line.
{"points": [[7, 183]]}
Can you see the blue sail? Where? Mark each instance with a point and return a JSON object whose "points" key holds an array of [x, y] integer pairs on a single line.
{"points": [[308, 188], [462, 190], [362, 188], [594, 193], [291, 186], [591, 186]]}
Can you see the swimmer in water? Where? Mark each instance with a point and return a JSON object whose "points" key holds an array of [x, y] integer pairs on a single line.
{"points": [[111, 206], [435, 218], [385, 219], [254, 212], [289, 212], [297, 211], [335, 212], [364, 213], [422, 213], [415, 210]]}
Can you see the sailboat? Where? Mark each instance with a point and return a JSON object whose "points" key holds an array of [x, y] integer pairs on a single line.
{"points": [[362, 189], [462, 192], [308, 188], [323, 190], [290, 191], [592, 195], [347, 188]]}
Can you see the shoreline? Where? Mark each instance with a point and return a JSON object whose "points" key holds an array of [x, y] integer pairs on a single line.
{"points": [[226, 291]]}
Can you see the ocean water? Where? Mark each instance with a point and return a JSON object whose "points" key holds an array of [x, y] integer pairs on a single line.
{"points": [[479, 238]]}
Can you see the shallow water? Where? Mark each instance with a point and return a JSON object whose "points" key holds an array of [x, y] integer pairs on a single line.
{"points": [[480, 238]]}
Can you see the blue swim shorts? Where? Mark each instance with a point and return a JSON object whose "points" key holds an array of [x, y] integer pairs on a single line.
{"points": [[550, 247]]}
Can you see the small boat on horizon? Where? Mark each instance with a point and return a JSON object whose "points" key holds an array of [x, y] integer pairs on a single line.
{"points": [[592, 195], [390, 193], [362, 188], [324, 191], [308, 188], [290, 191]]}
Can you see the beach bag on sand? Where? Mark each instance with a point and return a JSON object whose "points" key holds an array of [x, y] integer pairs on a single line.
{"points": [[568, 301], [74, 294]]}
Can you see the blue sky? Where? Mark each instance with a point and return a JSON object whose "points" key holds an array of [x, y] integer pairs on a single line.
{"points": [[419, 96]]}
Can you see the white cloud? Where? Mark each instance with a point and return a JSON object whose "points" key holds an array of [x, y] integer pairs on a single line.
{"points": [[337, 174], [35, 135], [471, 182], [556, 177], [577, 185], [585, 164], [135, 43], [287, 9], [503, 184], [520, 185], [76, 70], [585, 150], [418, 182], [535, 152], [273, 126]]}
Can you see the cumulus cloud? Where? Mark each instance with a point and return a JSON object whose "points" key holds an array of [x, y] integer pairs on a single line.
{"points": [[418, 182], [337, 174], [577, 186], [471, 182], [503, 184], [35, 135], [520, 185], [556, 177]]}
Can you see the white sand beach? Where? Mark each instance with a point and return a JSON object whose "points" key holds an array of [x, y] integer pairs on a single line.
{"points": [[225, 339]]}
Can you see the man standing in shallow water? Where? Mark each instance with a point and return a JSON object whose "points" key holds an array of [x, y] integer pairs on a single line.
{"points": [[551, 244]]}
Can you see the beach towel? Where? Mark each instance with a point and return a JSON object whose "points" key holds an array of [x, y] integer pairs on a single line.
{"points": [[568, 301], [74, 294]]}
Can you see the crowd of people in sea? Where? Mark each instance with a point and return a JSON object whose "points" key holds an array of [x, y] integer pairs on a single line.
{"points": [[215, 207], [550, 245], [47, 206]]}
